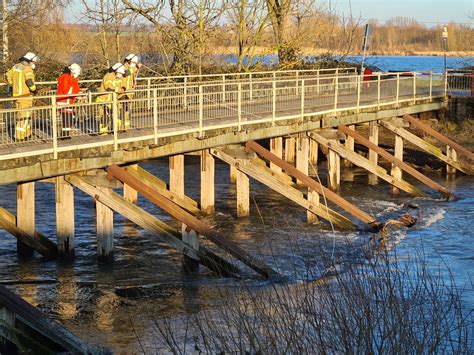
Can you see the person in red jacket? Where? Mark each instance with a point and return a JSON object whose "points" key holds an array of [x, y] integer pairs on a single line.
{"points": [[68, 84]]}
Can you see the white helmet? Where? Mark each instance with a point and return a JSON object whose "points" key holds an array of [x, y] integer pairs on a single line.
{"points": [[75, 70], [31, 57], [132, 58], [118, 68]]}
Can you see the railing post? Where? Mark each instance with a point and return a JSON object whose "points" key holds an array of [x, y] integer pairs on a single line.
{"points": [[115, 119], [431, 86], [336, 93], [297, 82], [398, 89], [185, 99], [317, 82], [201, 109], [89, 96], [251, 86], [378, 90], [273, 101], [223, 88], [155, 115], [358, 93], [149, 91], [239, 106], [302, 100], [414, 87], [55, 127], [445, 84]]}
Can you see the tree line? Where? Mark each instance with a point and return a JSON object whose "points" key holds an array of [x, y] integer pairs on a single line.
{"points": [[179, 36]]}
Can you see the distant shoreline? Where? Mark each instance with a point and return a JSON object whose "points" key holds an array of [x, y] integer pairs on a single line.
{"points": [[317, 52]]}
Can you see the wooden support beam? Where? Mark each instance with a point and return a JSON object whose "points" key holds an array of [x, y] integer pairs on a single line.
{"points": [[349, 143], [177, 175], [443, 139], [276, 147], [366, 164], [233, 174], [302, 156], [278, 183], [397, 173], [373, 138], [453, 156], [25, 215], [105, 230], [334, 168], [156, 183], [243, 194], [404, 166], [308, 182], [128, 193], [152, 224], [290, 149], [202, 229], [36, 241], [313, 152], [64, 218], [428, 147], [207, 182]]}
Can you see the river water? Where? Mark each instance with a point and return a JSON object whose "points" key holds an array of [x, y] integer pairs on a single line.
{"points": [[116, 305]]}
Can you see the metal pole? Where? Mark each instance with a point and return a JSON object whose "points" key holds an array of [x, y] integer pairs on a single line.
{"points": [[378, 90], [251, 86], [414, 87], [223, 88], [115, 119], [336, 93], [273, 102], [302, 100], [201, 109], [185, 99], [55, 128], [431, 86], [155, 115], [358, 93], [239, 106], [398, 89]]}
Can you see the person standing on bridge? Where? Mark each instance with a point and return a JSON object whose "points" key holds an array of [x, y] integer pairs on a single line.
{"points": [[112, 82], [21, 78], [132, 66], [68, 84]]}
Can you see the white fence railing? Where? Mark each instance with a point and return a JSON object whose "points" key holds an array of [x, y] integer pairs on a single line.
{"points": [[154, 112]]}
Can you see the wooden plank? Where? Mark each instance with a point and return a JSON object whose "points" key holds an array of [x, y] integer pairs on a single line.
{"points": [[64, 218], [349, 143], [435, 134], [152, 224], [243, 194], [105, 229], [309, 182], [404, 166], [290, 146], [374, 138], [302, 156], [366, 164], [177, 175], [428, 147], [397, 173], [313, 197], [37, 242], [129, 193], [334, 169], [183, 216], [276, 147], [154, 182], [278, 183]]}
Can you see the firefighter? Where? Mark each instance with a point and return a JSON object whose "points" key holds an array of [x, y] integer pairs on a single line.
{"points": [[68, 84], [132, 65], [112, 82], [21, 78]]}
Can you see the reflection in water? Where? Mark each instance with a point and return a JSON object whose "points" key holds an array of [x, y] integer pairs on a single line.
{"points": [[117, 304]]}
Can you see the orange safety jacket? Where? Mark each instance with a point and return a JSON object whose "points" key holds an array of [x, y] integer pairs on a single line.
{"points": [[67, 85]]}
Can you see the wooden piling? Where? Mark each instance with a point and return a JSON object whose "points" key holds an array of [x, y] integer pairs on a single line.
{"points": [[290, 146], [243, 194], [64, 218], [232, 174], [451, 154], [396, 171], [207, 182], [374, 138], [105, 229], [189, 236], [313, 155], [302, 156], [128, 193], [334, 169], [276, 147], [177, 175], [25, 215], [349, 143], [313, 197]]}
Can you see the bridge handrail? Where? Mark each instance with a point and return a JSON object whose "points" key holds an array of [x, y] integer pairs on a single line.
{"points": [[197, 107]]}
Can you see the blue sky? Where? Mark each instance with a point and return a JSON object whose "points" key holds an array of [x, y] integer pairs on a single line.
{"points": [[437, 11]]}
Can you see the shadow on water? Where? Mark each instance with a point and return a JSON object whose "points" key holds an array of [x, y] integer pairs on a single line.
{"points": [[117, 304]]}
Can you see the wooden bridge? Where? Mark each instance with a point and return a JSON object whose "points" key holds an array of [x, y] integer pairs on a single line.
{"points": [[217, 116]]}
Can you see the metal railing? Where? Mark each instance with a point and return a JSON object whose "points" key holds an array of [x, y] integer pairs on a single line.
{"points": [[460, 82], [155, 112]]}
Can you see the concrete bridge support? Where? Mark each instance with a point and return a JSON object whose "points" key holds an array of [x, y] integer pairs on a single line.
{"points": [[65, 218], [25, 214]]}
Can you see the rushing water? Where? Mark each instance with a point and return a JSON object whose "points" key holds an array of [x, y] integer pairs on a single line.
{"points": [[117, 304]]}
